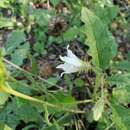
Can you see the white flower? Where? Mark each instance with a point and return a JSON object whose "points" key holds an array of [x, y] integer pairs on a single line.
{"points": [[72, 63]]}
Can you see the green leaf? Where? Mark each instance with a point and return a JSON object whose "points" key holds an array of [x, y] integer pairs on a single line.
{"points": [[121, 117], [20, 54], [120, 80], [6, 22], [122, 95], [98, 109], [42, 17], [53, 81], [102, 46], [27, 113], [122, 65], [3, 98], [14, 40], [39, 47], [34, 65], [106, 14], [4, 3], [8, 113], [55, 2], [61, 99], [71, 33], [4, 127], [79, 82]]}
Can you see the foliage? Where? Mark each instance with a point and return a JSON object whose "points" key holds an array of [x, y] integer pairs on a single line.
{"points": [[32, 95]]}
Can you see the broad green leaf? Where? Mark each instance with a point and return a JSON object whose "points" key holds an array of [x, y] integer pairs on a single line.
{"points": [[20, 54], [106, 14], [120, 80], [102, 46], [15, 39], [98, 109], [27, 113], [8, 113], [61, 99], [42, 17], [121, 117]]}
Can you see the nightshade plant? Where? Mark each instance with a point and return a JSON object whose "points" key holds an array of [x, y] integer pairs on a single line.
{"points": [[34, 102]]}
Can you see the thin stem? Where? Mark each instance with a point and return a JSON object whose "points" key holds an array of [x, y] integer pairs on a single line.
{"points": [[11, 91], [18, 94], [24, 71], [97, 85], [111, 125]]}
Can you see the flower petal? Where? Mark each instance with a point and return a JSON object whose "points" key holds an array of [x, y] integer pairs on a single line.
{"points": [[68, 68], [71, 54], [71, 61]]}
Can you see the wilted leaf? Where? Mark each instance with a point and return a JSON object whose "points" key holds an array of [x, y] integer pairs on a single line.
{"points": [[98, 109]]}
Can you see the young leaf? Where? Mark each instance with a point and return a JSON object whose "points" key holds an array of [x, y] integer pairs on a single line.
{"points": [[120, 80], [102, 46]]}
